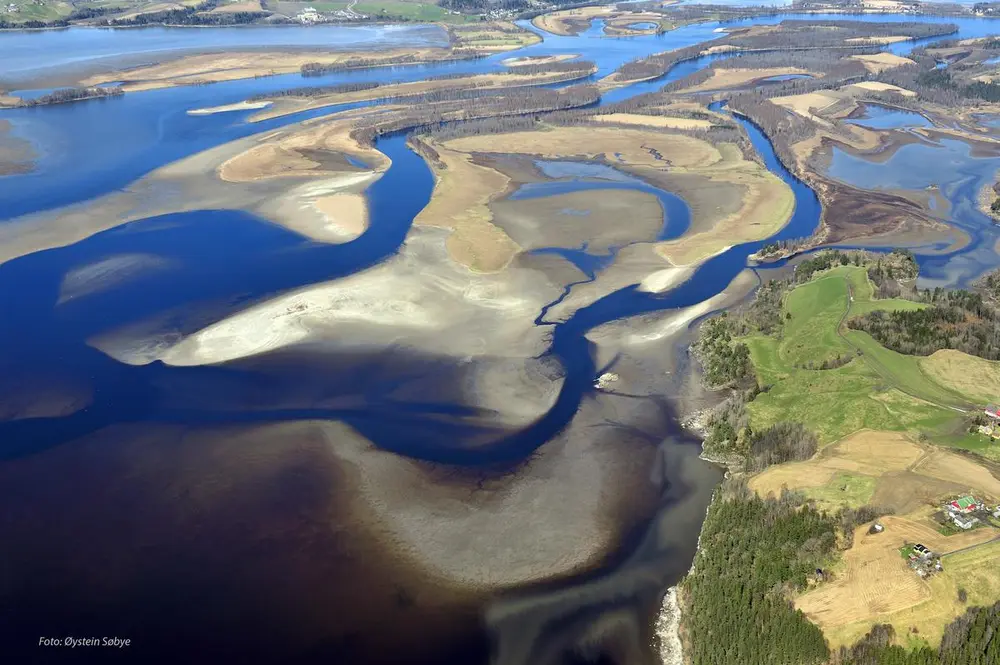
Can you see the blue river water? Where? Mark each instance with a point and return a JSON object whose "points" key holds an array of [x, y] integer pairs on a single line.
{"points": [[220, 260], [153, 128]]}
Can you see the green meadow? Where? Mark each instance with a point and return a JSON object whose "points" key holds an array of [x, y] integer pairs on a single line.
{"points": [[873, 387]]}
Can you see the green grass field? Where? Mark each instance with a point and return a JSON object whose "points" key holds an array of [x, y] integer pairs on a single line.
{"points": [[879, 389], [844, 489]]}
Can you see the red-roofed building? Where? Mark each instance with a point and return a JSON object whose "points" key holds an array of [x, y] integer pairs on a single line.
{"points": [[965, 504], [993, 411]]}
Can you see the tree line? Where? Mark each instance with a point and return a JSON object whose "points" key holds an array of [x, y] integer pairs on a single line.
{"points": [[470, 112], [959, 320], [66, 95], [361, 62]]}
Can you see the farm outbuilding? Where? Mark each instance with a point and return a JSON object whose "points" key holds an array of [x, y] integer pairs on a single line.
{"points": [[964, 504]]}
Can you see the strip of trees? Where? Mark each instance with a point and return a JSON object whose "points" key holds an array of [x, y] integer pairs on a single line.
{"points": [[959, 320], [67, 95]]}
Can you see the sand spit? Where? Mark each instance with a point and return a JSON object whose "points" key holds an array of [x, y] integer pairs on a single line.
{"points": [[414, 298], [278, 175], [227, 108], [538, 59]]}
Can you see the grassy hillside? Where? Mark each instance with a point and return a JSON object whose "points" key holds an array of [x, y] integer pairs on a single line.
{"points": [[873, 387]]}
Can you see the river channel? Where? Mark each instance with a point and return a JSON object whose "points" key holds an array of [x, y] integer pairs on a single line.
{"points": [[222, 258]]}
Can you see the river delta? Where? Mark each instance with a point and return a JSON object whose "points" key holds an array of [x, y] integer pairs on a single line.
{"points": [[277, 392]]}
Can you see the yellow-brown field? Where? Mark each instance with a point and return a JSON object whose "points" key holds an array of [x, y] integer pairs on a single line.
{"points": [[873, 583], [664, 121], [963, 373], [723, 78], [238, 6], [879, 62]]}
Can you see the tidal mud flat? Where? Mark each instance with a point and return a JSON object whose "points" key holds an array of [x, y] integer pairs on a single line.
{"points": [[379, 394]]}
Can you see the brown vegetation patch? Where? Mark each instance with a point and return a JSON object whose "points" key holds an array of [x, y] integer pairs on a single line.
{"points": [[725, 77], [963, 373], [852, 213], [238, 6], [961, 470], [866, 452], [874, 581], [462, 190]]}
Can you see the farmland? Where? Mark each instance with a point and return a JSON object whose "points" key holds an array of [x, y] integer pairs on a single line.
{"points": [[877, 414], [872, 583]]}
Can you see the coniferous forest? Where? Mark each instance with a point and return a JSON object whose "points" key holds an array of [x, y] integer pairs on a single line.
{"points": [[752, 551]]}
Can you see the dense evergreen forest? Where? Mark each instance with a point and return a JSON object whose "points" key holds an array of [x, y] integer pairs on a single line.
{"points": [[725, 363], [752, 551], [959, 320]]}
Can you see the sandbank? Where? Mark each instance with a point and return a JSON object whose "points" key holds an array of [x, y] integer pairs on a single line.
{"points": [[524, 61], [225, 108]]}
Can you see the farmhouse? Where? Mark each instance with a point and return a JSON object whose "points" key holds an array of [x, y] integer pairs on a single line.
{"points": [[993, 411], [965, 522]]}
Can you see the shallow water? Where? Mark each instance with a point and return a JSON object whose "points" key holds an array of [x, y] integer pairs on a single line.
{"points": [[877, 116], [949, 165]]}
